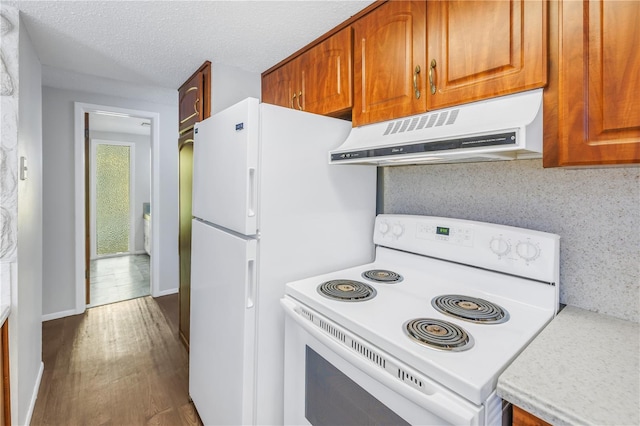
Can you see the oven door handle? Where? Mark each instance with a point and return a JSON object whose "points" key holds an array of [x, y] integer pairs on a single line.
{"points": [[450, 408]]}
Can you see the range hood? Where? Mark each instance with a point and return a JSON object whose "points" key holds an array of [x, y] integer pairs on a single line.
{"points": [[504, 128]]}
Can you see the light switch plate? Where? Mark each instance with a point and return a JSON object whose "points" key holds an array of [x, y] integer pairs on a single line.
{"points": [[23, 168]]}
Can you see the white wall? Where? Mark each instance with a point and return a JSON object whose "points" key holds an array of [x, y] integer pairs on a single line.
{"points": [[58, 149], [596, 212], [142, 167], [230, 85], [25, 326]]}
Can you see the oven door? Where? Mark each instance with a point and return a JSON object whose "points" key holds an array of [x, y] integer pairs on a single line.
{"points": [[328, 383]]}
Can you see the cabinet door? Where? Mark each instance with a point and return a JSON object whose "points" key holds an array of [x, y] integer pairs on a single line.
{"points": [[598, 114], [482, 49], [194, 103], [185, 156], [389, 46], [190, 108], [523, 418], [325, 73], [280, 85]]}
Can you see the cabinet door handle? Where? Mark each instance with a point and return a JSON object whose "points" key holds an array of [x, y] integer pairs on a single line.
{"points": [[293, 99], [299, 96], [415, 82], [431, 67]]}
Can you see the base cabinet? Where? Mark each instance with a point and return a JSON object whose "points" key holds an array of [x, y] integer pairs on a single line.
{"points": [[592, 108], [5, 400], [523, 418]]}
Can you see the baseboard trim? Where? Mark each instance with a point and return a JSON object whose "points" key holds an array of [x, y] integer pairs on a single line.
{"points": [[166, 292], [61, 314], [32, 404]]}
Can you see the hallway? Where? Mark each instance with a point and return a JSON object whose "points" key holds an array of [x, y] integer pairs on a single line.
{"points": [[119, 364]]}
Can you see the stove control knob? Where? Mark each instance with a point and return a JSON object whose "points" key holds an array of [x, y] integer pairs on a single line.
{"points": [[397, 230], [528, 250], [383, 227], [499, 246]]}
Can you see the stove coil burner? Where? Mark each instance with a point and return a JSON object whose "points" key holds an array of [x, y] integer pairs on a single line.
{"points": [[437, 334], [347, 290], [382, 276], [470, 309]]}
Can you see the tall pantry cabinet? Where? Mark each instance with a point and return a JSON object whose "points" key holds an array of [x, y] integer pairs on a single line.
{"points": [[194, 98], [212, 88]]}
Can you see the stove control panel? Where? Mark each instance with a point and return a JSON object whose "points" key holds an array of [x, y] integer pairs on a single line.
{"points": [[517, 251], [453, 235]]}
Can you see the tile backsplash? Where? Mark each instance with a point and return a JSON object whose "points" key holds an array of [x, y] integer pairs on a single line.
{"points": [[596, 212]]}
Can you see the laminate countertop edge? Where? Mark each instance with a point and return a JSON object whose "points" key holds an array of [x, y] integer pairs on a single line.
{"points": [[581, 369]]}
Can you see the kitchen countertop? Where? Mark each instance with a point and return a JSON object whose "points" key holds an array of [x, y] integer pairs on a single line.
{"points": [[583, 368]]}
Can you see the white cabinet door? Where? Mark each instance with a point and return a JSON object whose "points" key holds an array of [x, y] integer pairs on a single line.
{"points": [[225, 161], [223, 287]]}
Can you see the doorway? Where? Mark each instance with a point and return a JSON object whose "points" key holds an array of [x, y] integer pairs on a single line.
{"points": [[119, 191], [115, 260]]}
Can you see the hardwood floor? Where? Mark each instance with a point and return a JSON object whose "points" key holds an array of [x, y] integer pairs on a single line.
{"points": [[118, 364]]}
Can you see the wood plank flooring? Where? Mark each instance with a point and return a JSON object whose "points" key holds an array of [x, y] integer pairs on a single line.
{"points": [[118, 364]]}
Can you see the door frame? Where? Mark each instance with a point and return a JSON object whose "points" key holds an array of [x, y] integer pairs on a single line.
{"points": [[92, 194], [80, 109]]}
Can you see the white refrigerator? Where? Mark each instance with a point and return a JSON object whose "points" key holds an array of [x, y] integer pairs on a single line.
{"points": [[268, 209]]}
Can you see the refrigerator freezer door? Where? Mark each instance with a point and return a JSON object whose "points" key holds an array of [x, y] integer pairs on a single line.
{"points": [[225, 168], [221, 356]]}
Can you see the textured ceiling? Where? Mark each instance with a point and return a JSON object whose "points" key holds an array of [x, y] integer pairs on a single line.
{"points": [[161, 43]]}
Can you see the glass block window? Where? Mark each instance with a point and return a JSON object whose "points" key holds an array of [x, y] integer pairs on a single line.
{"points": [[112, 198]]}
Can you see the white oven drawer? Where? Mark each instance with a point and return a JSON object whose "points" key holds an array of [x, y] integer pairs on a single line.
{"points": [[327, 382]]}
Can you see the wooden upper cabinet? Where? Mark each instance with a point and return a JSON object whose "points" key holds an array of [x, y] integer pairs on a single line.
{"points": [[595, 85], [482, 49], [389, 62], [318, 80], [326, 75], [194, 100], [279, 85]]}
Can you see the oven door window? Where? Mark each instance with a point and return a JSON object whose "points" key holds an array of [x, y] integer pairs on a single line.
{"points": [[332, 398]]}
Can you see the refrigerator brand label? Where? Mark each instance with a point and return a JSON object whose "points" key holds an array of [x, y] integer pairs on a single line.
{"points": [[239, 127]]}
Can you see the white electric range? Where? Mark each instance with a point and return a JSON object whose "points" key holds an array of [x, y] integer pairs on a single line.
{"points": [[421, 334]]}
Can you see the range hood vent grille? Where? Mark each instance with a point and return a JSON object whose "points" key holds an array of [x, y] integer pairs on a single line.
{"points": [[419, 122]]}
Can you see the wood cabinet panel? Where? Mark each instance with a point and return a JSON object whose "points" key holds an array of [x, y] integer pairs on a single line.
{"points": [[326, 75], [317, 81], [595, 84], [5, 399], [523, 418], [278, 86], [483, 49], [185, 158], [194, 103], [389, 45]]}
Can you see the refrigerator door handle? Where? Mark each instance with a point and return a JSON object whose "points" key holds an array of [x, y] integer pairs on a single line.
{"points": [[251, 192], [251, 283]]}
